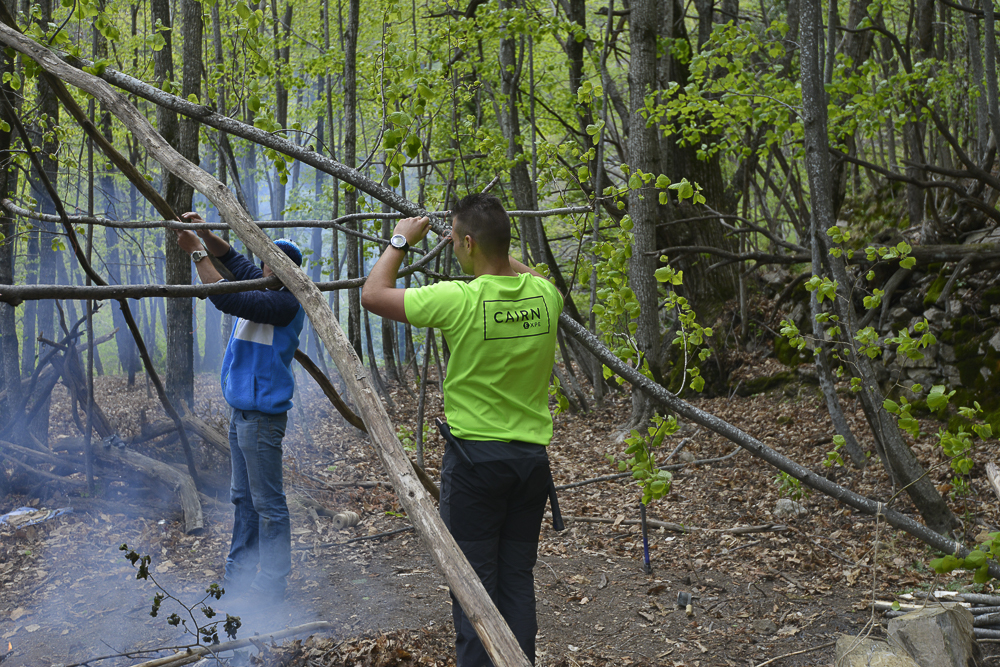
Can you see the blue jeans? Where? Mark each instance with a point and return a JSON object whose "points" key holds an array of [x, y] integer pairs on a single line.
{"points": [[261, 527]]}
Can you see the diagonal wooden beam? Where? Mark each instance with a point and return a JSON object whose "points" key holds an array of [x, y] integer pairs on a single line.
{"points": [[465, 585]]}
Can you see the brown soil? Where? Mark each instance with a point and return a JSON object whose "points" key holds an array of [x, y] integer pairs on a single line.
{"points": [[70, 597]]}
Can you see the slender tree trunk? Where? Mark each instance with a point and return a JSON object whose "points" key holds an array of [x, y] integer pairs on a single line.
{"points": [[179, 377], [128, 353], [350, 159], [904, 466], [316, 266], [281, 58], [10, 376], [45, 137], [982, 123], [644, 22]]}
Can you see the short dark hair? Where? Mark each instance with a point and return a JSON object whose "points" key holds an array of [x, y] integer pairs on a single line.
{"points": [[483, 217]]}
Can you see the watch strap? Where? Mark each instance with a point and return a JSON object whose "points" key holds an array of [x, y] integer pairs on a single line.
{"points": [[404, 247]]}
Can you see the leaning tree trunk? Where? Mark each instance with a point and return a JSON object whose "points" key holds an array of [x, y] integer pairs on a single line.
{"points": [[903, 465]]}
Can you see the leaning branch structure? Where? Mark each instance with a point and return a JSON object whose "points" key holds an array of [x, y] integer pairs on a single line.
{"points": [[496, 636], [465, 585]]}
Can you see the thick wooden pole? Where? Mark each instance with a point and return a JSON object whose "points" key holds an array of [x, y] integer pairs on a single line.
{"points": [[465, 585]]}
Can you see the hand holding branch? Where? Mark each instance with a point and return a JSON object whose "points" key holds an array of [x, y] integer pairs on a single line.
{"points": [[414, 229]]}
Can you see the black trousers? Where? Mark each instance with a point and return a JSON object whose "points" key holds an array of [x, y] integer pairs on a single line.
{"points": [[494, 511]]}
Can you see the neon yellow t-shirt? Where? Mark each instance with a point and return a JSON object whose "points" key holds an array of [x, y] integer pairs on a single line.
{"points": [[501, 331]]}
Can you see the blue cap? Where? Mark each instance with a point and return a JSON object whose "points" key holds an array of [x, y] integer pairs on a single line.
{"points": [[290, 248]]}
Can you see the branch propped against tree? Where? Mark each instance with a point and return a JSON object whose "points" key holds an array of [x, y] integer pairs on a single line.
{"points": [[497, 638], [924, 254], [681, 407]]}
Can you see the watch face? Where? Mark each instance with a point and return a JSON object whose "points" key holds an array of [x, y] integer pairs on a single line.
{"points": [[398, 241]]}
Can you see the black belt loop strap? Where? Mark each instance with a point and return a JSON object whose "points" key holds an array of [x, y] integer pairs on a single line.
{"points": [[557, 520], [445, 431]]}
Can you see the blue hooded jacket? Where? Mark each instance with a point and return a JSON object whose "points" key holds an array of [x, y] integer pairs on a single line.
{"points": [[257, 366]]}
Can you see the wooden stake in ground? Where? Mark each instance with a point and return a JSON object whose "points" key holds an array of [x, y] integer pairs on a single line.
{"points": [[465, 585]]}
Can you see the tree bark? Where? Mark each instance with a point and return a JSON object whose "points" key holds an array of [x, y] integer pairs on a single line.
{"points": [[903, 465], [10, 376], [179, 376], [644, 23], [350, 160]]}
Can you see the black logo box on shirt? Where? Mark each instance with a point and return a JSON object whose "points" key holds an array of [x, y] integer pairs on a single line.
{"points": [[519, 318]]}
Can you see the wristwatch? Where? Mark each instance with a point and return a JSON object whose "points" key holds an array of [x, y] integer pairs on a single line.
{"points": [[399, 241], [198, 255]]}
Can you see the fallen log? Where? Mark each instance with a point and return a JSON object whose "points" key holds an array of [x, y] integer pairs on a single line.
{"points": [[662, 396], [180, 482], [204, 430], [192, 423], [197, 652], [42, 473], [497, 638]]}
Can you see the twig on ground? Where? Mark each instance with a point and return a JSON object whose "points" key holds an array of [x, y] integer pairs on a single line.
{"points": [[195, 652], [678, 528], [805, 650], [675, 466], [354, 539]]}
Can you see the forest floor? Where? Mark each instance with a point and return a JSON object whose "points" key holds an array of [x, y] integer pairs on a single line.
{"points": [[69, 596]]}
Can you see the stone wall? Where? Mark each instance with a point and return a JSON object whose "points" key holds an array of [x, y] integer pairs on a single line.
{"points": [[966, 357]]}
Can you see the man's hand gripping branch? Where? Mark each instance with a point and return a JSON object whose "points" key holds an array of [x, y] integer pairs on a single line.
{"points": [[204, 241], [380, 294]]}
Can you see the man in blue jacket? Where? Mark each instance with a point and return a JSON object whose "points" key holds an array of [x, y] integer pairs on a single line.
{"points": [[257, 383]]}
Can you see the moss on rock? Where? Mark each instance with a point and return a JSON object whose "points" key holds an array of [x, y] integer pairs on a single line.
{"points": [[934, 290], [787, 354], [766, 383]]}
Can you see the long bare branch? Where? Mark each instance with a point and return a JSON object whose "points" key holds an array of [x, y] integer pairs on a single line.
{"points": [[681, 407], [465, 585]]}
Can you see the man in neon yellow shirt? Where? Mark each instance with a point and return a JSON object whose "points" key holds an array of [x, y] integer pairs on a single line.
{"points": [[501, 330]]}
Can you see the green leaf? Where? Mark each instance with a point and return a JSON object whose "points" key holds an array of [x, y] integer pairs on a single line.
{"points": [[400, 118], [413, 146], [946, 564], [908, 262], [242, 10], [937, 399], [975, 559], [253, 103], [910, 425]]}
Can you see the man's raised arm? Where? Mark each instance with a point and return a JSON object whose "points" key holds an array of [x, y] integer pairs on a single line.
{"points": [[380, 294]]}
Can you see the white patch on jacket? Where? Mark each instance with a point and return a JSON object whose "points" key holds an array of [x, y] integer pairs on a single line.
{"points": [[254, 333]]}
